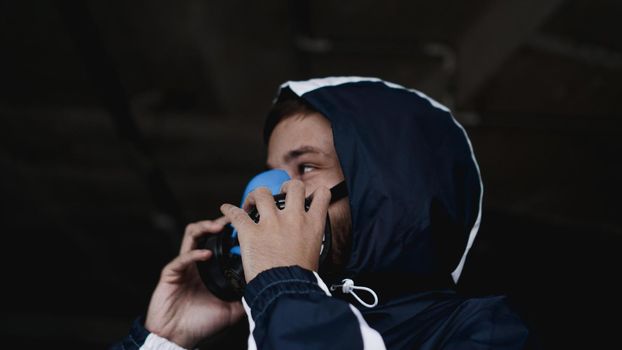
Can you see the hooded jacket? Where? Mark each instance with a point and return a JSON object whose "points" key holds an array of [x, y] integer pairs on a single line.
{"points": [[415, 195]]}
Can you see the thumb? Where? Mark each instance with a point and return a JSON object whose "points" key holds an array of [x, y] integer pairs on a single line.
{"points": [[180, 264]]}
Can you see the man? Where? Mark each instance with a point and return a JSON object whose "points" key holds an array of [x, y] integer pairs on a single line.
{"points": [[401, 237]]}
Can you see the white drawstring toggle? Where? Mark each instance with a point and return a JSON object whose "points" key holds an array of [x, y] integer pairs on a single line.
{"points": [[348, 286]]}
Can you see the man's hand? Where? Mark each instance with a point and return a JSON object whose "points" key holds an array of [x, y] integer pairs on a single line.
{"points": [[281, 237], [182, 309]]}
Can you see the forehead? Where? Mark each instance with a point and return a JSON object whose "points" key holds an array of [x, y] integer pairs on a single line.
{"points": [[298, 131]]}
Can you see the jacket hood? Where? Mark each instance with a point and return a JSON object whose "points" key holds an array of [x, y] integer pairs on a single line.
{"points": [[414, 185]]}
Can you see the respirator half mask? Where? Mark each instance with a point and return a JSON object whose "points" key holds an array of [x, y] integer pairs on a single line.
{"points": [[223, 274]]}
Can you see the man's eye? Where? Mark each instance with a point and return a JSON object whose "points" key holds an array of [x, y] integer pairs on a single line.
{"points": [[305, 168]]}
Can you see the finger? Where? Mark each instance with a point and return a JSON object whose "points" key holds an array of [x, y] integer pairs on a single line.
{"points": [[264, 201], [236, 309], [320, 203], [197, 229], [295, 198], [181, 263], [238, 217], [249, 203]]}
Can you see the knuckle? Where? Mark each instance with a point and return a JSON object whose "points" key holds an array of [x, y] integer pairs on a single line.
{"points": [[237, 215], [285, 186], [191, 228], [262, 190], [324, 191], [297, 184], [167, 268]]}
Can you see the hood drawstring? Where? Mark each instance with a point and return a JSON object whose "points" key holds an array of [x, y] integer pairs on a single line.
{"points": [[348, 286]]}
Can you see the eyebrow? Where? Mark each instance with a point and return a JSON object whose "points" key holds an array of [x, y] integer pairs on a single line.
{"points": [[295, 153]]}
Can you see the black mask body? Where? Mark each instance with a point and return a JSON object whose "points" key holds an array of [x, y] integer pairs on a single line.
{"points": [[223, 273]]}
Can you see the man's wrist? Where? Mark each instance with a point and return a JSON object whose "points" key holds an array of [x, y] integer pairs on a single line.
{"points": [[172, 335]]}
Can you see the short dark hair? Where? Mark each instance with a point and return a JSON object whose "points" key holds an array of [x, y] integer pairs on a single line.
{"points": [[285, 107]]}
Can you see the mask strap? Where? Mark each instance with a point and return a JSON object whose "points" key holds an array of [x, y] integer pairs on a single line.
{"points": [[338, 191]]}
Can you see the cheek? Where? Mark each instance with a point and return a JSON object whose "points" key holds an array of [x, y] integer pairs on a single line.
{"points": [[321, 177], [293, 174], [310, 186]]}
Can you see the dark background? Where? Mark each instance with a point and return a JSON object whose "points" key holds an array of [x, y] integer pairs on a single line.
{"points": [[121, 121]]}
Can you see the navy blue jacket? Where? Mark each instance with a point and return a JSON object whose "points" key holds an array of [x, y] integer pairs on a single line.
{"points": [[415, 192]]}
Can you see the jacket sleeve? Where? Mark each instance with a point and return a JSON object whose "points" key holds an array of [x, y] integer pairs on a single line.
{"points": [[140, 338], [291, 308]]}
